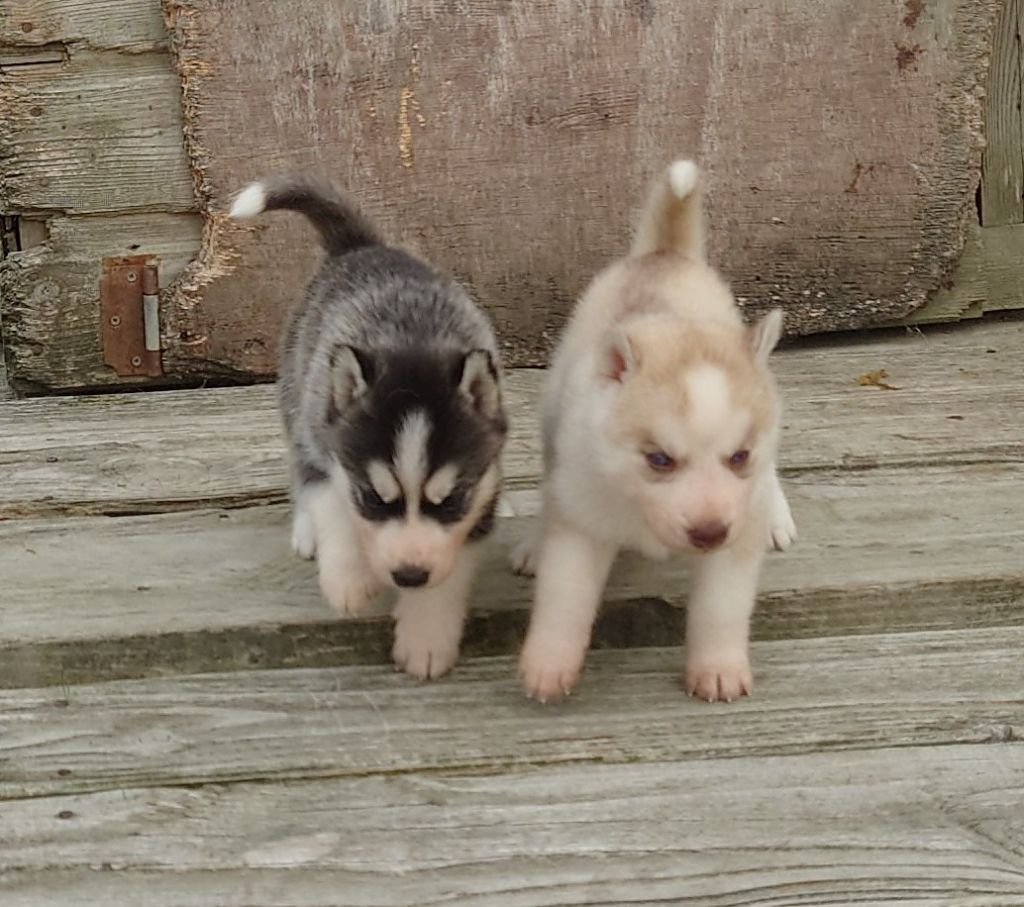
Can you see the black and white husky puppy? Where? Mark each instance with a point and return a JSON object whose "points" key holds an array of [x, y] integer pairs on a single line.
{"points": [[390, 392]]}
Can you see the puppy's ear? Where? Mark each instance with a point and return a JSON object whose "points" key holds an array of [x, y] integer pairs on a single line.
{"points": [[478, 382], [352, 372], [763, 335], [621, 357]]}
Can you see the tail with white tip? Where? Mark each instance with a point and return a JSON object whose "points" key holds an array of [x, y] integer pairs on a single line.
{"points": [[341, 225], [673, 218]]}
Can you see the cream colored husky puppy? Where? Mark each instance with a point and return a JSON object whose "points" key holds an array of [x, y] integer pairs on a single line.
{"points": [[661, 424]]}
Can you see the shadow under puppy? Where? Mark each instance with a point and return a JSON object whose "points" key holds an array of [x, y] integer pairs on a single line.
{"points": [[391, 399], [660, 425]]}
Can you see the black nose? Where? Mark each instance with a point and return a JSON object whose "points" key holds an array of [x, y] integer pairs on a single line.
{"points": [[408, 577], [708, 535]]}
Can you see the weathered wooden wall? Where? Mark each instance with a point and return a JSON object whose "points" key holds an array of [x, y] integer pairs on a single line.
{"points": [[842, 142], [92, 160], [512, 156]]}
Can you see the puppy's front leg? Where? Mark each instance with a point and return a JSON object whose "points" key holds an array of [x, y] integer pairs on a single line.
{"points": [[429, 622], [782, 528], [722, 592], [345, 581], [571, 572]]}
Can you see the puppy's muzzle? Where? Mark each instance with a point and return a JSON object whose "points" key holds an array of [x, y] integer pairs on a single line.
{"points": [[408, 576], [708, 536]]}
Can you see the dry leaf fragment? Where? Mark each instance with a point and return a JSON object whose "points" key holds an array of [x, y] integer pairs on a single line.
{"points": [[876, 379]]}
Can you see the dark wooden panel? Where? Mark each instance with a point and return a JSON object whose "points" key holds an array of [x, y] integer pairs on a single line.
{"points": [[511, 142]]}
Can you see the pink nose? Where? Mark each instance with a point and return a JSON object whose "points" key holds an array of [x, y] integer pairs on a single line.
{"points": [[708, 535]]}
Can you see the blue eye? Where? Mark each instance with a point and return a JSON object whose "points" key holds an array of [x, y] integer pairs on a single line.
{"points": [[660, 461], [739, 459]]}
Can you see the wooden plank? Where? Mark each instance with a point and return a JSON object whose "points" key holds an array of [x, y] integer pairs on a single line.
{"points": [[223, 447], [989, 278], [1004, 266], [1002, 186], [821, 695], [936, 826], [50, 293], [847, 213], [869, 538], [132, 25], [99, 134]]}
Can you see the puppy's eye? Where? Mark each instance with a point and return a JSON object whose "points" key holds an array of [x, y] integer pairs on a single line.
{"points": [[450, 510], [660, 461], [739, 459]]}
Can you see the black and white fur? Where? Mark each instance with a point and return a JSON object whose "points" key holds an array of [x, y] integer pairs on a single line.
{"points": [[391, 398]]}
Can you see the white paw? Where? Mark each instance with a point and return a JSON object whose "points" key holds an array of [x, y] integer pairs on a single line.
{"points": [[782, 528], [350, 594], [549, 669], [303, 536], [524, 557], [425, 648], [718, 679]]}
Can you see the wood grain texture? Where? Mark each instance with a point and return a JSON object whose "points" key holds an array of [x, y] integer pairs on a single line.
{"points": [[283, 787], [95, 135], [172, 451], [1002, 188], [461, 129], [127, 25], [819, 695], [936, 826]]}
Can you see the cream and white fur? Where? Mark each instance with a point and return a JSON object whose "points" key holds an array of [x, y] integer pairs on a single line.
{"points": [[657, 366]]}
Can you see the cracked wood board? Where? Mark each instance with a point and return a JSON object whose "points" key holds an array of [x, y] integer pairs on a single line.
{"points": [[840, 191]]}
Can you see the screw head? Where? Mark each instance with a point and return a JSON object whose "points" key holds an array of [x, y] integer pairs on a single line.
{"points": [[115, 320], [131, 277], [136, 361]]}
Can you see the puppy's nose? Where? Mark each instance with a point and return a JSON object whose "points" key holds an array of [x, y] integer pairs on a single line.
{"points": [[708, 535], [409, 576]]}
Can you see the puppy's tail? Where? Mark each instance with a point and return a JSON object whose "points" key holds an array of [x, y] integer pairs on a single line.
{"points": [[673, 219], [341, 224]]}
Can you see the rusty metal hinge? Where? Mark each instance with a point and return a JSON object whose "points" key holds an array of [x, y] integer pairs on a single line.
{"points": [[130, 315]]}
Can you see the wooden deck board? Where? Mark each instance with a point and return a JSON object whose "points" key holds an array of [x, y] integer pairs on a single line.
{"points": [[841, 693], [891, 494], [179, 580], [176, 450], [878, 763], [935, 826], [876, 770]]}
